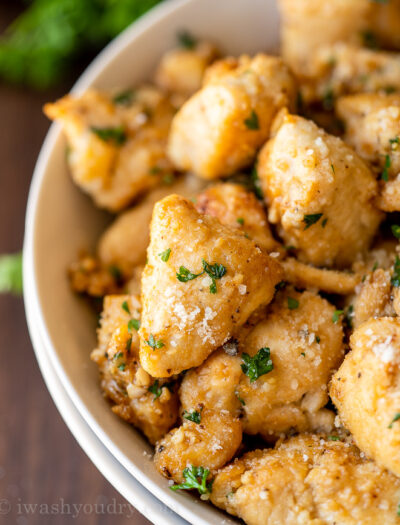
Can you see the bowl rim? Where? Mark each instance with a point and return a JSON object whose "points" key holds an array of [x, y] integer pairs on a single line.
{"points": [[183, 505]]}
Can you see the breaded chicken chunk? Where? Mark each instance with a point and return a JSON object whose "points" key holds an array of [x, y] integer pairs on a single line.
{"points": [[124, 243], [342, 69], [219, 129], [309, 24], [307, 480], [234, 206], [373, 297], [372, 123], [116, 144], [202, 282], [366, 390], [304, 345], [181, 69], [318, 192], [207, 438], [150, 405]]}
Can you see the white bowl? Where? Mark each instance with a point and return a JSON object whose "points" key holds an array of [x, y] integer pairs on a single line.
{"points": [[61, 221]]}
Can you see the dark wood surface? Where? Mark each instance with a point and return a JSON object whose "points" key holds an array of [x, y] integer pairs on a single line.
{"points": [[40, 461]]}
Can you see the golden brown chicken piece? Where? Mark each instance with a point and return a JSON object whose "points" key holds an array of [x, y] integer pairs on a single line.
{"points": [[209, 440], [219, 129], [307, 480], [116, 144], [373, 298], [202, 282], [150, 405], [318, 192], [304, 344], [309, 24], [366, 390], [234, 206], [181, 69]]}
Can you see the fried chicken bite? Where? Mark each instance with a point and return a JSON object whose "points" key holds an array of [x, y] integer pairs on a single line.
{"points": [[309, 24], [203, 280], [181, 69], [366, 390], [219, 129], [234, 206], [276, 376], [307, 479], [148, 404], [318, 192], [206, 438], [116, 144]]}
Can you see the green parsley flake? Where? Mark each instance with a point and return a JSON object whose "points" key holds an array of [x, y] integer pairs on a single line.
{"points": [[396, 230], [115, 272], [311, 219], [252, 121], [128, 345], [184, 275], [11, 273], [194, 416], [328, 99], [186, 40], [118, 355], [165, 255], [318, 339], [333, 168], [125, 307], [258, 365], [122, 366], [336, 315], [395, 280], [134, 324], [292, 303], [385, 171], [240, 220], [214, 271], [323, 224], [125, 98], [241, 400], [333, 438], [394, 143], [396, 418], [156, 388], [256, 183], [116, 135], [195, 478], [153, 343]]}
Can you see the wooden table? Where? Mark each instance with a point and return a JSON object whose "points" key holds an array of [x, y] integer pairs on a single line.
{"points": [[40, 461]]}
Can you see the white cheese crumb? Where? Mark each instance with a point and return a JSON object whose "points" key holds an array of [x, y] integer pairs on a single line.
{"points": [[242, 289], [385, 351], [274, 254], [310, 152], [263, 494], [305, 457]]}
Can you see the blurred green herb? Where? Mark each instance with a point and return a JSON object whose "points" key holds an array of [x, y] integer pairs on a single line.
{"points": [[41, 45], [11, 273]]}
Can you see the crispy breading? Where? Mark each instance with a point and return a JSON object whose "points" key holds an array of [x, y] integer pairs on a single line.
{"points": [[209, 444], [115, 151], [366, 390], [151, 406], [219, 129], [185, 319], [307, 480], [318, 192], [373, 297], [234, 206]]}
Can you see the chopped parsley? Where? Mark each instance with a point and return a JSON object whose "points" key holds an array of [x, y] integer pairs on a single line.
{"points": [[336, 315], [124, 98], [375, 266], [258, 365], [323, 224], [134, 324], [396, 418], [255, 179], [280, 286], [333, 169], [184, 275], [116, 135], [153, 343], [156, 389], [396, 230], [122, 366], [333, 438], [369, 39], [386, 166], [311, 219], [165, 255], [252, 121], [328, 99], [195, 478], [128, 345], [398, 505], [318, 339], [394, 142], [194, 416], [303, 354], [240, 220], [118, 355], [125, 307], [186, 40], [115, 272], [242, 402], [11, 273], [214, 271], [292, 303], [395, 280]]}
